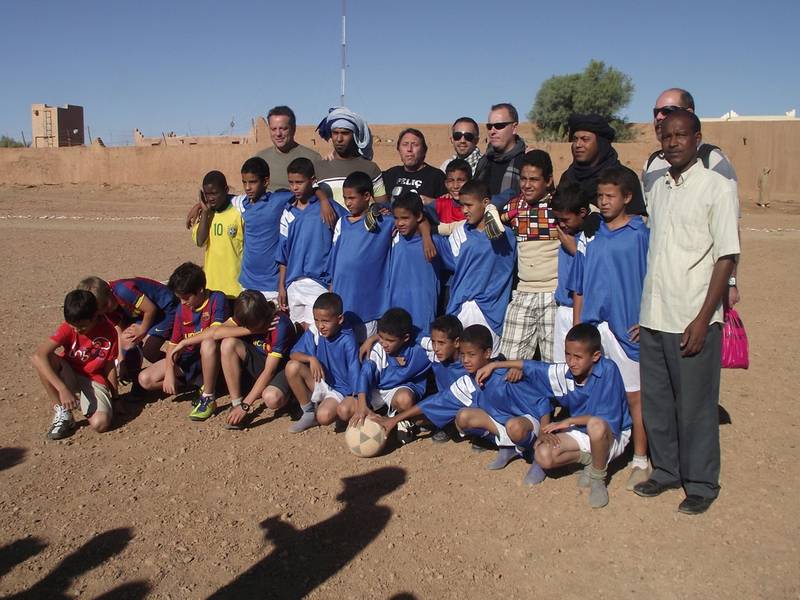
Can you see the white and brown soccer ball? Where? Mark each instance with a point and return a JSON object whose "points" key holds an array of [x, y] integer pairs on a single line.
{"points": [[367, 440]]}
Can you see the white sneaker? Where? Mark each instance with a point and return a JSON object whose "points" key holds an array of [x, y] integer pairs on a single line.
{"points": [[62, 425]]}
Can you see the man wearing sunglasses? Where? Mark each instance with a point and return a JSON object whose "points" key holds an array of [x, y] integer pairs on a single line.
{"points": [[465, 142], [499, 167], [710, 156]]}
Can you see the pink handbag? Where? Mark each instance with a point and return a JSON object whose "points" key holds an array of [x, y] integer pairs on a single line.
{"points": [[735, 353]]}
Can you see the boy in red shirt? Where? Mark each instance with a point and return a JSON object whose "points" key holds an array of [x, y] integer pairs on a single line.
{"points": [[449, 211], [83, 373]]}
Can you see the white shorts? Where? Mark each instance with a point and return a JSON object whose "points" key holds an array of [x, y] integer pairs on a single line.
{"points": [[502, 438], [322, 391], [301, 294], [470, 314], [629, 369], [561, 327], [617, 446], [380, 398], [271, 296]]}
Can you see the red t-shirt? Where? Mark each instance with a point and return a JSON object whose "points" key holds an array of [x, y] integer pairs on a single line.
{"points": [[89, 353], [448, 210]]}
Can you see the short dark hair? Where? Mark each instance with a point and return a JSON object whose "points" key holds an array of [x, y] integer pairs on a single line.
{"points": [[415, 132], [301, 166], [409, 200], [469, 120], [283, 111], [625, 179], [188, 278], [252, 311], [257, 166], [397, 322], [477, 335], [330, 302], [570, 197], [587, 334], [475, 188], [510, 108], [79, 306], [693, 119], [360, 182], [539, 159], [448, 325], [458, 164], [216, 178]]}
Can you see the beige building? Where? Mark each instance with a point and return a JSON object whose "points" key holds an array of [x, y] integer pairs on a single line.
{"points": [[56, 126]]}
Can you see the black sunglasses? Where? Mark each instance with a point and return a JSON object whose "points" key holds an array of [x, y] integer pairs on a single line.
{"points": [[502, 125], [665, 110], [467, 135]]}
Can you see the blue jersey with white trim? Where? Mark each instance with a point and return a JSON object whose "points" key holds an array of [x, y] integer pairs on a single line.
{"points": [[562, 295], [414, 282], [442, 408], [359, 266], [483, 271], [609, 270], [444, 373], [382, 371], [305, 242], [602, 394], [503, 400], [261, 219], [338, 356]]}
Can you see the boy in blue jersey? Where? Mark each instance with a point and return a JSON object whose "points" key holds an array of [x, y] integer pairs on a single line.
{"points": [[442, 348], [142, 311], [572, 211], [607, 279], [483, 269], [414, 281], [254, 347], [323, 369], [305, 243], [393, 376], [590, 387], [191, 363], [502, 402], [359, 259], [261, 214]]}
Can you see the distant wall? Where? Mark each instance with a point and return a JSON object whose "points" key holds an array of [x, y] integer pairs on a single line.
{"points": [[751, 146]]}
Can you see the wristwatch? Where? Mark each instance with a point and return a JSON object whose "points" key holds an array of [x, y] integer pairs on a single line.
{"points": [[731, 281], [244, 406]]}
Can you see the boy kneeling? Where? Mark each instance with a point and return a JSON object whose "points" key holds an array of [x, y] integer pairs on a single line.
{"points": [[84, 373]]}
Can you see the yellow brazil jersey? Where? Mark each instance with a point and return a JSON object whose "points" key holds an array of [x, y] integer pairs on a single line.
{"points": [[223, 256]]}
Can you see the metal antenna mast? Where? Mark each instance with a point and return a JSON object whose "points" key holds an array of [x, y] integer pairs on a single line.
{"points": [[344, 49]]}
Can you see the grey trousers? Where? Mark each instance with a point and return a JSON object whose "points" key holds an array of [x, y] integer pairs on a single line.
{"points": [[680, 399]]}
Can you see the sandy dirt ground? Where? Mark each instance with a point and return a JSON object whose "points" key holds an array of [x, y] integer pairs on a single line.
{"points": [[166, 508]]}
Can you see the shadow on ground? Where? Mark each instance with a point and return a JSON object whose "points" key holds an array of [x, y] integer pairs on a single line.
{"points": [[302, 559], [10, 457], [56, 584]]}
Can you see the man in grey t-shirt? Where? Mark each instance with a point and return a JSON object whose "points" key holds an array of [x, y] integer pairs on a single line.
{"points": [[282, 127]]}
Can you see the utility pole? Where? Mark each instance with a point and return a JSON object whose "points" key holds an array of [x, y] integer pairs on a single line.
{"points": [[344, 49]]}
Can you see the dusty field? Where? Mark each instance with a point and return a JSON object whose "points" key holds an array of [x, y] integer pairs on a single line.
{"points": [[166, 508]]}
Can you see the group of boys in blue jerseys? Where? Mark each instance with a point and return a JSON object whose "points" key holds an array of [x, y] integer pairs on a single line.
{"points": [[337, 307]]}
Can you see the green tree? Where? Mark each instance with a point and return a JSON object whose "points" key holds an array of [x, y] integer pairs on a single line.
{"points": [[598, 89], [9, 142]]}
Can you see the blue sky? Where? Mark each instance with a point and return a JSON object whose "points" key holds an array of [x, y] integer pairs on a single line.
{"points": [[190, 66]]}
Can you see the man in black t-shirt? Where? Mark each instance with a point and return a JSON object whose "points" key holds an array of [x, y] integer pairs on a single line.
{"points": [[414, 174]]}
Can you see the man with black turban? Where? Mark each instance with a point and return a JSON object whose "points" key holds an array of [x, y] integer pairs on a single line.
{"points": [[591, 138]]}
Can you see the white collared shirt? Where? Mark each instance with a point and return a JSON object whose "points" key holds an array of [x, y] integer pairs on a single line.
{"points": [[693, 222]]}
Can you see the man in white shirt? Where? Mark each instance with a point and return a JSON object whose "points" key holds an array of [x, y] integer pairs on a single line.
{"points": [[693, 245]]}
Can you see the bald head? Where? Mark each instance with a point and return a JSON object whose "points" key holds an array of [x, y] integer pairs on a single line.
{"points": [[670, 100]]}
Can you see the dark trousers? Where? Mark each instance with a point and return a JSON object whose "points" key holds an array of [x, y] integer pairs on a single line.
{"points": [[680, 399]]}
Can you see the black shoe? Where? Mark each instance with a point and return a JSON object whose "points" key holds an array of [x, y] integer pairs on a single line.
{"points": [[695, 505], [406, 432], [440, 436], [650, 488]]}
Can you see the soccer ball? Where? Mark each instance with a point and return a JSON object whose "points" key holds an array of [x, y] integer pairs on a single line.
{"points": [[367, 440]]}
